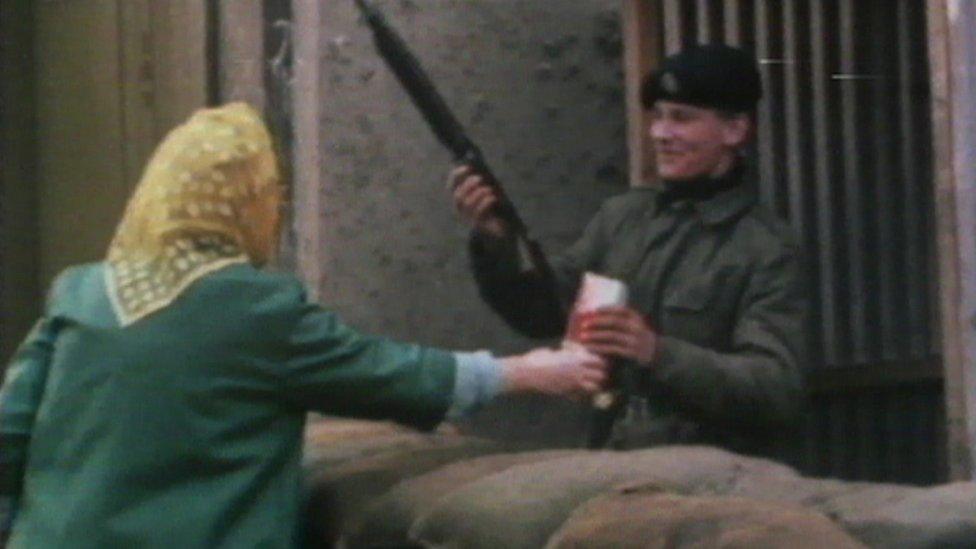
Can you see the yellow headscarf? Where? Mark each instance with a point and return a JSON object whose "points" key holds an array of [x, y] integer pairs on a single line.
{"points": [[210, 185]]}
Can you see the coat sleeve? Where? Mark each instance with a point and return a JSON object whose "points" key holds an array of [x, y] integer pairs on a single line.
{"points": [[759, 382], [20, 397], [333, 369], [530, 304]]}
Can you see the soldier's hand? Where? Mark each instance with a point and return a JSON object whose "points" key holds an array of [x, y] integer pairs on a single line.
{"points": [[474, 202], [619, 332]]}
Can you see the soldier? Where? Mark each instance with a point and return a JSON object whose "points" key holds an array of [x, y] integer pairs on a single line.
{"points": [[714, 332]]}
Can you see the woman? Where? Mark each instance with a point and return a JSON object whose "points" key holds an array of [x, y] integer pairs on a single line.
{"points": [[161, 399]]}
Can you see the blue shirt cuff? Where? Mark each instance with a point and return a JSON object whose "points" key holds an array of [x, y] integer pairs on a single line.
{"points": [[479, 379]]}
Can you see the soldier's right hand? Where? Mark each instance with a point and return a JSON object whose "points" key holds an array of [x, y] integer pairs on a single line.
{"points": [[474, 201]]}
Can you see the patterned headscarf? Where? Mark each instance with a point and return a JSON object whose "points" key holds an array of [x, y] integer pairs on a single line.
{"points": [[195, 210]]}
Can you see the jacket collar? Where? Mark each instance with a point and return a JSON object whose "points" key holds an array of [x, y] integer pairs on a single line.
{"points": [[727, 202]]}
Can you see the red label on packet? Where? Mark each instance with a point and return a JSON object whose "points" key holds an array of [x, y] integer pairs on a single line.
{"points": [[596, 292]]}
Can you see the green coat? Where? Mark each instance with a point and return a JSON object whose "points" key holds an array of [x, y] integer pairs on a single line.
{"points": [[185, 429], [718, 279]]}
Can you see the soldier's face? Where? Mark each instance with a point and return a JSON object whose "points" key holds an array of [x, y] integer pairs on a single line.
{"points": [[692, 142]]}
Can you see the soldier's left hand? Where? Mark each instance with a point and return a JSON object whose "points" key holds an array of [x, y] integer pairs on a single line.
{"points": [[619, 332]]}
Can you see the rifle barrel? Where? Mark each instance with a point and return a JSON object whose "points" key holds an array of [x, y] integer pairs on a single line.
{"points": [[421, 90]]}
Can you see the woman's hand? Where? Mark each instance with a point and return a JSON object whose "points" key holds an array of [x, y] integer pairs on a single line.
{"points": [[570, 372]]}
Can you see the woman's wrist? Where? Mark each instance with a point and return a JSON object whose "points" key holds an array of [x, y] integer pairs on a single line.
{"points": [[516, 377], [565, 372], [478, 379]]}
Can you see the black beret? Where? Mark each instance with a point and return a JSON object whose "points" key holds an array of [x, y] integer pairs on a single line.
{"points": [[714, 76]]}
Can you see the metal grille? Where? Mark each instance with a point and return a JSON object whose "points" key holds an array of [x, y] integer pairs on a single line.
{"points": [[844, 155]]}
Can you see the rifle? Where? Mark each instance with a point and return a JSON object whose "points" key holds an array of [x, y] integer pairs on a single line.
{"points": [[610, 406], [448, 130]]}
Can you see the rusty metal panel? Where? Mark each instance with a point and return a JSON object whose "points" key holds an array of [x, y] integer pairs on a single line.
{"points": [[704, 23], [914, 165], [888, 186], [672, 29], [732, 18], [849, 77], [825, 176], [771, 61]]}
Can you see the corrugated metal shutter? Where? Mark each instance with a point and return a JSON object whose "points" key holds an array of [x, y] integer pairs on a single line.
{"points": [[844, 155]]}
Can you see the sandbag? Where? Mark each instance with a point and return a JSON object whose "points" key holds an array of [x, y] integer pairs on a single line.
{"points": [[655, 520], [880, 515], [338, 491], [330, 441], [883, 515], [387, 521]]}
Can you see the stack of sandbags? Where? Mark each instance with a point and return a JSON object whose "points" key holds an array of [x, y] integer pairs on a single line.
{"points": [[396, 487], [331, 441]]}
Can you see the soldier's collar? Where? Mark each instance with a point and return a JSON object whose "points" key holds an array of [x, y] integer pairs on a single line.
{"points": [[727, 205], [716, 200]]}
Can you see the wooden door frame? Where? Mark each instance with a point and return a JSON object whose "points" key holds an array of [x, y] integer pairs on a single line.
{"points": [[20, 294], [952, 49], [642, 51]]}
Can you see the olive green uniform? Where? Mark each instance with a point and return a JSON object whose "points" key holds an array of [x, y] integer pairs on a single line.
{"points": [[718, 279]]}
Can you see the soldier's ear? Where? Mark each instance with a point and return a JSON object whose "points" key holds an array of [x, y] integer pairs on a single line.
{"points": [[736, 129]]}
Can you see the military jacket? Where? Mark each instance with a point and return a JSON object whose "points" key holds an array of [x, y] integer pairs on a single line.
{"points": [[717, 279]]}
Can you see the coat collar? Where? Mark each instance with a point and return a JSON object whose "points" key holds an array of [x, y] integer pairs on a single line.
{"points": [[722, 207]]}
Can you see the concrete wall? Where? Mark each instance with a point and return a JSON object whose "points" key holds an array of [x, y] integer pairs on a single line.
{"points": [[539, 85]]}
